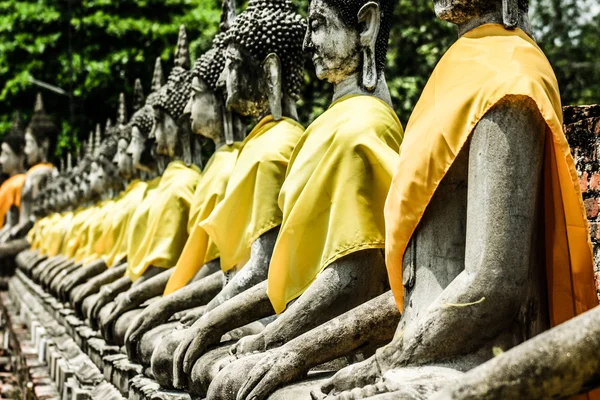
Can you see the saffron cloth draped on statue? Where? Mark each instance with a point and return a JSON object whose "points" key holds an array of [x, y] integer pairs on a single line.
{"points": [[482, 67], [199, 249], [10, 194], [250, 208], [333, 196], [162, 240]]}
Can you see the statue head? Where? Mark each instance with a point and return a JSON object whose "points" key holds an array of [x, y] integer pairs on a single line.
{"points": [[103, 173], [170, 125], [40, 135], [121, 133], [264, 61], [349, 37], [206, 102], [138, 130], [460, 12], [12, 154]]}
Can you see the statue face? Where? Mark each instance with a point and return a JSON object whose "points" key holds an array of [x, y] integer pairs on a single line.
{"points": [[335, 47], [123, 160], [206, 110], [97, 178], [165, 132], [10, 162], [85, 189], [461, 11], [244, 79], [33, 151], [136, 149]]}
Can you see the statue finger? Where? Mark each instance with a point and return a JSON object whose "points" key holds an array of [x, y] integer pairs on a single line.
{"points": [[178, 359], [194, 352]]}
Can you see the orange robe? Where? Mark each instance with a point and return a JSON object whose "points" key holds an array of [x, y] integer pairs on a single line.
{"points": [[480, 69], [10, 194]]}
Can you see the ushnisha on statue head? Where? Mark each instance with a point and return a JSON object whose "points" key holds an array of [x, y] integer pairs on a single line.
{"points": [[40, 135], [138, 131], [348, 40], [264, 60]]}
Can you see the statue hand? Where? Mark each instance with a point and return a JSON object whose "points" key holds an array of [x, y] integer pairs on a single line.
{"points": [[357, 375], [276, 369], [196, 341], [122, 304], [190, 317], [149, 318], [249, 344]]}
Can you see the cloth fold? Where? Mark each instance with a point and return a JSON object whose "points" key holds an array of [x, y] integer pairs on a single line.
{"points": [[334, 192]]}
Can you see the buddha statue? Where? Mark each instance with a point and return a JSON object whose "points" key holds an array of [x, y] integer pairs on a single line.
{"points": [[133, 159], [12, 159], [477, 250], [208, 119], [111, 250], [165, 234], [356, 141], [40, 136], [262, 79]]}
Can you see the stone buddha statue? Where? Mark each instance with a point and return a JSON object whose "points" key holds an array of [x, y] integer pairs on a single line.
{"points": [[40, 135], [356, 141], [134, 160], [165, 234], [468, 261], [208, 119], [114, 232], [12, 162], [262, 79]]}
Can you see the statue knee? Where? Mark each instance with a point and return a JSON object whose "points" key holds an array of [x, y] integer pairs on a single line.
{"points": [[152, 339], [162, 358], [87, 304]]}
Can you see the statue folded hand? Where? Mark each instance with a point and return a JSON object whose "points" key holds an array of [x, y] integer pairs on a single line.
{"points": [[198, 338], [276, 369]]}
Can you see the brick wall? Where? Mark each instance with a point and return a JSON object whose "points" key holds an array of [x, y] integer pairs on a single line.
{"points": [[582, 128]]}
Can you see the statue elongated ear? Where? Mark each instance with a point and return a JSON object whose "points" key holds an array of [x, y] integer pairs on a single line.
{"points": [[370, 17], [510, 13], [228, 128], [272, 70]]}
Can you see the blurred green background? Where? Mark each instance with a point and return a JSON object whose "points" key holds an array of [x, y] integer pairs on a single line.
{"points": [[95, 49]]}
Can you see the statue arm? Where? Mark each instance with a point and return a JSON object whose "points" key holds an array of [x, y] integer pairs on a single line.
{"points": [[372, 323], [194, 294], [505, 172], [342, 286], [254, 272], [246, 307]]}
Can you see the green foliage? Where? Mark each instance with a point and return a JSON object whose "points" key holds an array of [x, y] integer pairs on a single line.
{"points": [[97, 48]]}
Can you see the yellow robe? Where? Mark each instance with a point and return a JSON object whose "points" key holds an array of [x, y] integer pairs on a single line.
{"points": [[93, 232], [73, 237], [10, 194], [199, 249], [47, 234], [114, 241], [56, 233], [165, 233], [250, 207], [334, 193]]}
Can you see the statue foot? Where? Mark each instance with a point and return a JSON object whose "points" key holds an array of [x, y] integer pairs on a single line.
{"points": [[418, 383], [151, 340], [162, 358], [231, 377], [207, 368]]}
